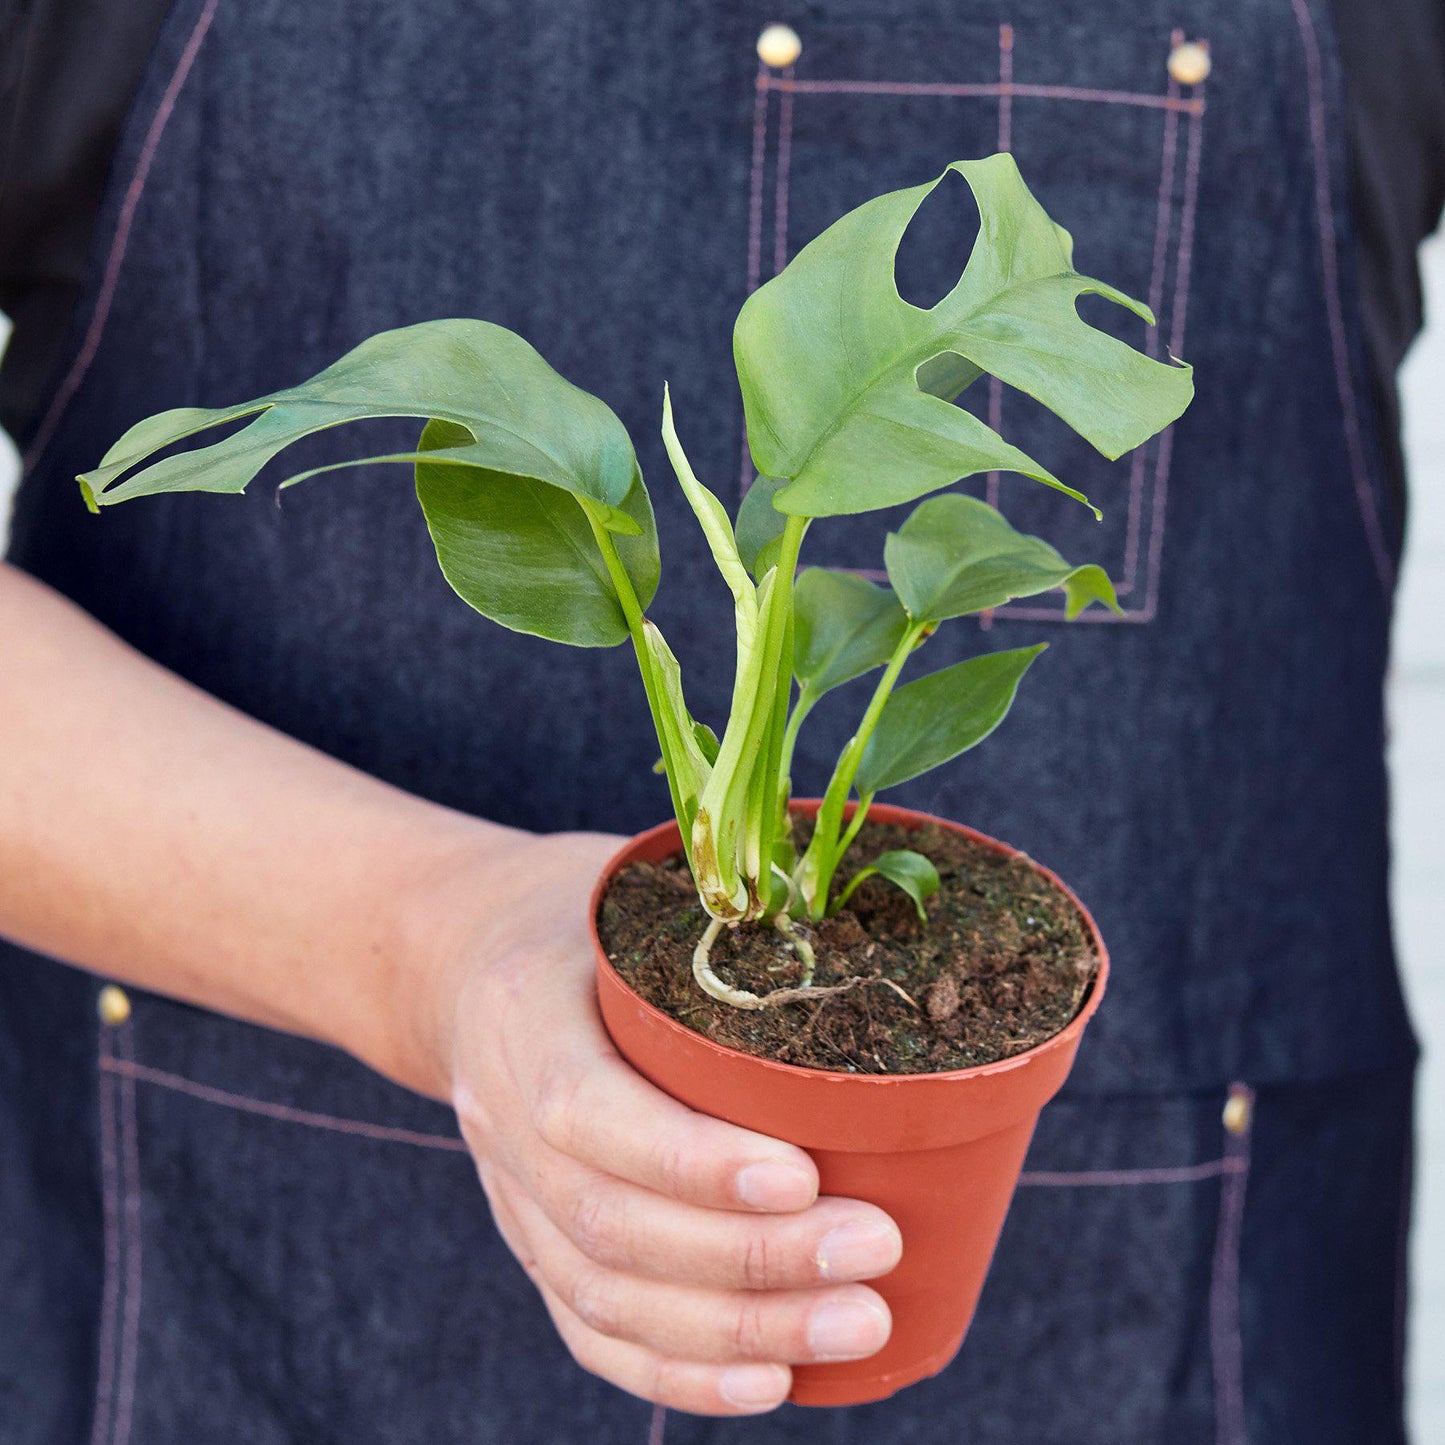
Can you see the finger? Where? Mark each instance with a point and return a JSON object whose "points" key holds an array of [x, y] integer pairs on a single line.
{"points": [[596, 1109], [628, 1228], [698, 1389], [845, 1322]]}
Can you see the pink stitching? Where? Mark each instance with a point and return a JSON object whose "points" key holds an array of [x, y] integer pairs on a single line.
{"points": [[1334, 304], [1005, 139], [781, 191], [1226, 1339], [658, 1427], [110, 1295], [965, 89], [1110, 1178], [1164, 450], [245, 1104], [130, 1329], [121, 240], [755, 202], [1005, 85], [1005, 89], [1183, 265], [1164, 215], [755, 239]]}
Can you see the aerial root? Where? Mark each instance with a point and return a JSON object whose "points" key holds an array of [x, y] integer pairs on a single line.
{"points": [[808, 992]]}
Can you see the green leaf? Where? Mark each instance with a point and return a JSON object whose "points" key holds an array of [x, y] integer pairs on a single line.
{"points": [[760, 526], [520, 417], [843, 386], [523, 553], [911, 871], [930, 721], [844, 626], [956, 555]]}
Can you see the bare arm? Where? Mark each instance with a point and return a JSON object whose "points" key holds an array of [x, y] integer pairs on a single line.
{"points": [[151, 833]]}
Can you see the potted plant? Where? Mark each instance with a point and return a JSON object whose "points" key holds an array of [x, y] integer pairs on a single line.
{"points": [[897, 994]]}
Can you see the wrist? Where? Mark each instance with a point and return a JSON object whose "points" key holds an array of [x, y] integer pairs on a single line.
{"points": [[493, 897], [448, 878]]}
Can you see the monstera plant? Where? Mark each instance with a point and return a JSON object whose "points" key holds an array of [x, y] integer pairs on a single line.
{"points": [[535, 501]]}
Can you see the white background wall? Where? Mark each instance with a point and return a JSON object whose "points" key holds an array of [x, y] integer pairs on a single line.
{"points": [[1417, 755]]}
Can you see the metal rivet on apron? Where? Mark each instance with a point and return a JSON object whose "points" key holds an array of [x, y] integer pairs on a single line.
{"points": [[779, 46], [1236, 1112], [112, 1005], [1189, 63]]}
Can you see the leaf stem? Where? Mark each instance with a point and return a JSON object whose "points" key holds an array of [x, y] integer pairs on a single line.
{"points": [[815, 869], [860, 813]]}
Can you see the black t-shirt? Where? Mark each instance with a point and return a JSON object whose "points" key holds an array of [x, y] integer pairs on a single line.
{"points": [[71, 66]]}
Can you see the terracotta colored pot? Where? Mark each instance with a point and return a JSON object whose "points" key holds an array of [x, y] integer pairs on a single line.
{"points": [[941, 1153]]}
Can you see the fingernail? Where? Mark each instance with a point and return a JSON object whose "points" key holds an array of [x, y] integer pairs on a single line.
{"points": [[847, 1330], [774, 1184], [753, 1387], [863, 1249]]}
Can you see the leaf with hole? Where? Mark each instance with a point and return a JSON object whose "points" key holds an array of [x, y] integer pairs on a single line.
{"points": [[846, 385]]}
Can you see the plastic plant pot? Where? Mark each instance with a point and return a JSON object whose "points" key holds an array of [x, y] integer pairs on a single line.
{"points": [[941, 1153]]}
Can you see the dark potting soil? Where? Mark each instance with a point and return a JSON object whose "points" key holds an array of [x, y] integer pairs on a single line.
{"points": [[1003, 963]]}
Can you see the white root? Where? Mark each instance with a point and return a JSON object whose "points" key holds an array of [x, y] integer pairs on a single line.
{"points": [[715, 988]]}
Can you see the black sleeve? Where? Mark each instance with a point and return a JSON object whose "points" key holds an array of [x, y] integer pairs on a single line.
{"points": [[68, 69], [1393, 52]]}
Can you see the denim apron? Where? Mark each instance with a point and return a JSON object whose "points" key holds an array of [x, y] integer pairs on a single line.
{"points": [[214, 1233]]}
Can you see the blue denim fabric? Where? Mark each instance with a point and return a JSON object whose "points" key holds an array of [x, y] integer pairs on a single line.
{"points": [[608, 179]]}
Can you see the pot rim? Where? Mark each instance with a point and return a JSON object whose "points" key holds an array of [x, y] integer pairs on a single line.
{"points": [[1066, 1037]]}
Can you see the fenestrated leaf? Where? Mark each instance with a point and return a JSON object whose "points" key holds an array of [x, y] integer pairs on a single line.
{"points": [[523, 553], [844, 626], [930, 721], [760, 526], [842, 384], [910, 871], [521, 418], [955, 555]]}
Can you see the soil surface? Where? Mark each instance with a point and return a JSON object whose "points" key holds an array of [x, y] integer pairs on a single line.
{"points": [[1003, 963]]}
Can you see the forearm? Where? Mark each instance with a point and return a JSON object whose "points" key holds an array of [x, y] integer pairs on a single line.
{"points": [[153, 834]]}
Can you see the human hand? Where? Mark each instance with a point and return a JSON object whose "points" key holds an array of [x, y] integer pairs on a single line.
{"points": [[684, 1259]]}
